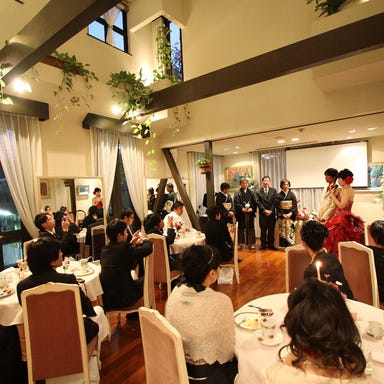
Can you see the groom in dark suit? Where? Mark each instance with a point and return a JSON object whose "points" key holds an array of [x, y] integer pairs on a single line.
{"points": [[267, 202]]}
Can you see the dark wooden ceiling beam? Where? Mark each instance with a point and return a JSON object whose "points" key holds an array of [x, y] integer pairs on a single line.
{"points": [[56, 23], [358, 37], [26, 107]]}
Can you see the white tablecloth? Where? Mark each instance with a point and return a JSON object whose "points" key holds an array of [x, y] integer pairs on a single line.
{"points": [[10, 309], [255, 358], [184, 242]]}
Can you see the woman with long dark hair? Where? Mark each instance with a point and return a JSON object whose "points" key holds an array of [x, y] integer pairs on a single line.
{"points": [[325, 342]]}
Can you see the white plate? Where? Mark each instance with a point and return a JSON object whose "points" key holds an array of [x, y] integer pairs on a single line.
{"points": [[270, 342], [83, 272], [248, 320], [7, 293]]}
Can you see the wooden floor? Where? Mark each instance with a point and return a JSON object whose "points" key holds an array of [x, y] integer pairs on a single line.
{"points": [[261, 273]]}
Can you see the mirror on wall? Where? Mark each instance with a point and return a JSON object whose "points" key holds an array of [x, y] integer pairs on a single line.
{"points": [[73, 193]]}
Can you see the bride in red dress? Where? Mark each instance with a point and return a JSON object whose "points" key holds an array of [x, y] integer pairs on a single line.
{"points": [[344, 225]]}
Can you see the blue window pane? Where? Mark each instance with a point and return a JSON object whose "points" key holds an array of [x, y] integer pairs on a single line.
{"points": [[119, 21], [119, 41], [12, 252], [96, 29], [9, 218]]}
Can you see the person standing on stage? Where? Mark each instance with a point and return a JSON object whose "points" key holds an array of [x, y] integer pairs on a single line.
{"points": [[245, 208], [266, 201], [327, 206]]}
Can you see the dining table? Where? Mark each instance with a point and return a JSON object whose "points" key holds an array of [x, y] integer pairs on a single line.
{"points": [[185, 239], [88, 277], [10, 309], [255, 356]]}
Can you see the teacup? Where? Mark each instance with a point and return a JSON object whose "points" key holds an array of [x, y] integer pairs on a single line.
{"points": [[268, 328], [84, 264], [375, 329]]}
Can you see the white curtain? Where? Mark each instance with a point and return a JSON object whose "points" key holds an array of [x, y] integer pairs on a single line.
{"points": [[110, 17], [21, 158], [273, 164], [309, 197], [133, 163], [104, 146]]}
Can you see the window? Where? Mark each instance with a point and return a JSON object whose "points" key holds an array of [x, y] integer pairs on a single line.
{"points": [[176, 49], [12, 231], [99, 28]]}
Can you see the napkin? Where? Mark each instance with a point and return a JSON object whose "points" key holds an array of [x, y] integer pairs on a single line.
{"points": [[10, 269], [377, 356]]}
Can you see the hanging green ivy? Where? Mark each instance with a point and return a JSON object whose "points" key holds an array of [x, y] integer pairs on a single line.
{"points": [[3, 100], [328, 7]]}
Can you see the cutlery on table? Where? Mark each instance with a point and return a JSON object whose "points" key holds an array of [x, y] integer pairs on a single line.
{"points": [[263, 311]]}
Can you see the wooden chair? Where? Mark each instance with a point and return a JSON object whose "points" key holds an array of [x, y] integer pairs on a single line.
{"points": [[359, 269], [98, 241], [234, 262], [26, 244], [163, 349], [162, 272], [148, 299], [297, 259], [55, 347]]}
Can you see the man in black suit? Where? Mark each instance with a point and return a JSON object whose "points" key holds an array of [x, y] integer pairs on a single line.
{"points": [[118, 259], [266, 201], [225, 203], [245, 207], [44, 256]]}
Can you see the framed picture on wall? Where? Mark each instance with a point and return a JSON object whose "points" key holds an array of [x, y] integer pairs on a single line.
{"points": [[44, 189], [83, 190], [234, 174], [375, 175]]}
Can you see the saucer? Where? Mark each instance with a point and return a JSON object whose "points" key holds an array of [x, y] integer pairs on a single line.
{"points": [[276, 340]]}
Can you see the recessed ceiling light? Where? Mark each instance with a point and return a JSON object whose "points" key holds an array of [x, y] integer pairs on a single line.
{"points": [[349, 137], [235, 153], [237, 147], [226, 149], [295, 139], [352, 131], [372, 129], [281, 141]]}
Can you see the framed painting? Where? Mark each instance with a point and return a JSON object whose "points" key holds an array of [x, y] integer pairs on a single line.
{"points": [[375, 175], [234, 174], [83, 190], [44, 189]]}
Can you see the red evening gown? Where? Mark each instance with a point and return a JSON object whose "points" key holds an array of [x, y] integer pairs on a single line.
{"points": [[343, 226]]}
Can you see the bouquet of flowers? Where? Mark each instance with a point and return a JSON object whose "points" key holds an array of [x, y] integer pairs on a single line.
{"points": [[305, 214]]}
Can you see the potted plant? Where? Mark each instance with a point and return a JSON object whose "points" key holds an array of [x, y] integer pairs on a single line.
{"points": [[71, 68], [205, 165], [328, 7], [130, 92]]}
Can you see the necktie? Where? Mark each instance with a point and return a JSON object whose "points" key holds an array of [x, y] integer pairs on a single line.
{"points": [[266, 191]]}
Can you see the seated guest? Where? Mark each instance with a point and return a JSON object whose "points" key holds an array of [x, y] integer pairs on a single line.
{"points": [[48, 210], [46, 225], [118, 258], [99, 221], [313, 235], [91, 217], [177, 216], [217, 234], [128, 216], [44, 256], [71, 246], [376, 232], [13, 369], [325, 342], [204, 318], [153, 223]]}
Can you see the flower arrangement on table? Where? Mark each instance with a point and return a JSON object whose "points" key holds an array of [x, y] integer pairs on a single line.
{"points": [[306, 214]]}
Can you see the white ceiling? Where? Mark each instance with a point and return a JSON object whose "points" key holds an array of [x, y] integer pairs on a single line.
{"points": [[349, 129]]}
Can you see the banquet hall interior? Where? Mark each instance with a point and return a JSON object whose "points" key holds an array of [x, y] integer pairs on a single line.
{"points": [[255, 88]]}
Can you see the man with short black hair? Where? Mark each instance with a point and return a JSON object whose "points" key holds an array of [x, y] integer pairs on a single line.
{"points": [[327, 207], [225, 203]]}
